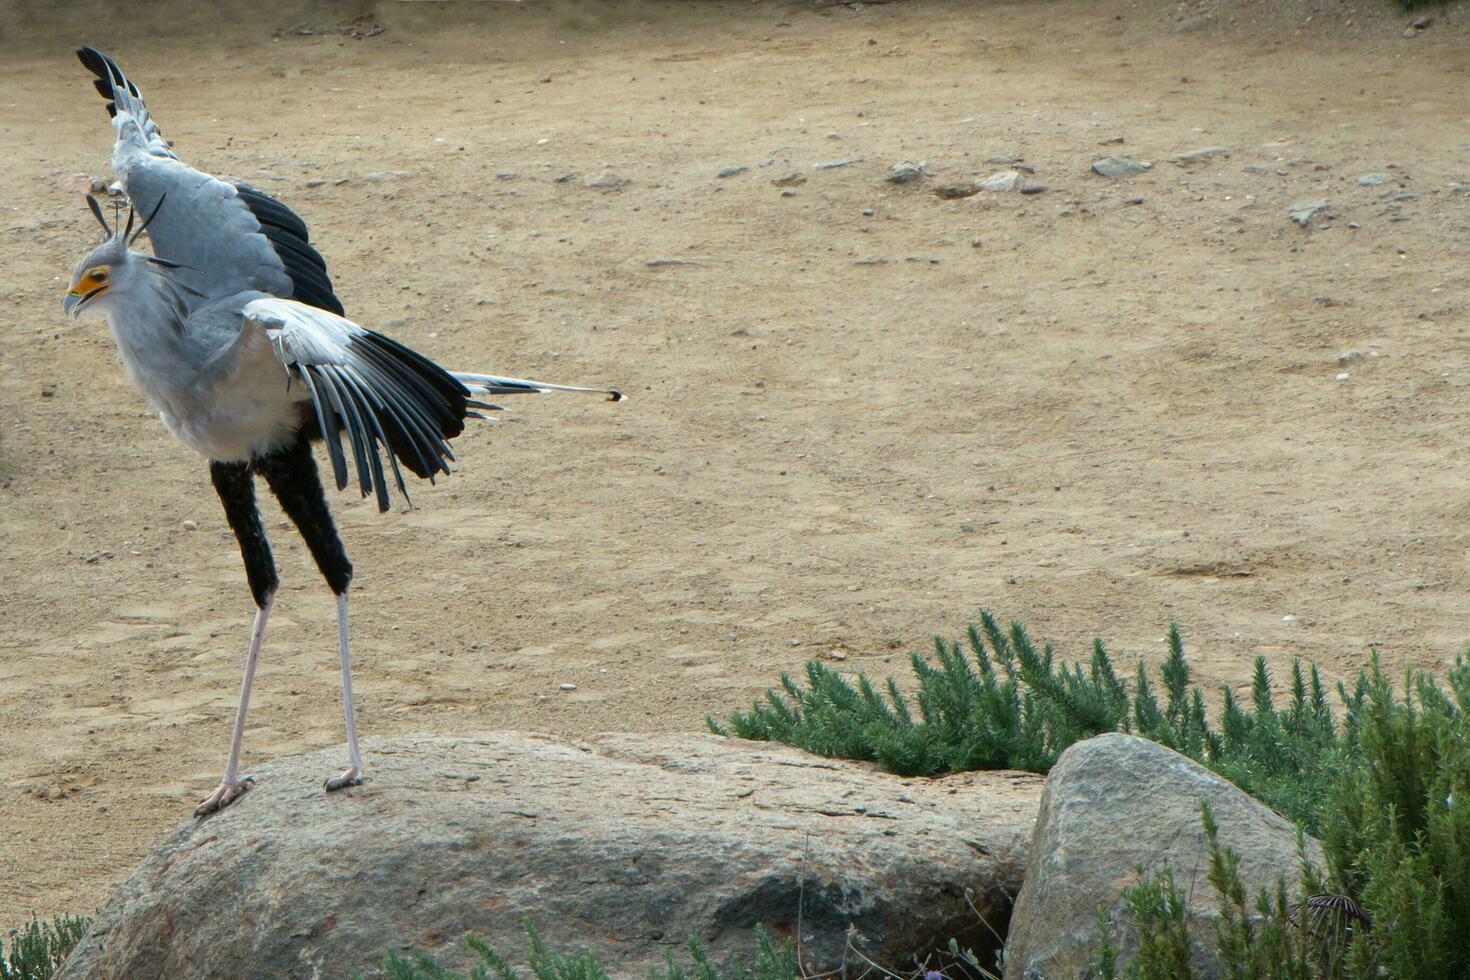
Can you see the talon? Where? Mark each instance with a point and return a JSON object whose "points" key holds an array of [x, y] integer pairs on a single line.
{"points": [[350, 776], [222, 797]]}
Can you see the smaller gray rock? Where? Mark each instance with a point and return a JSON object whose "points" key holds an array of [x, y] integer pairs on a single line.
{"points": [[1374, 179], [905, 173], [1423, 23], [1302, 212], [1117, 802], [732, 171], [1410, 33], [1192, 24], [1255, 168], [384, 176], [608, 180], [1120, 167], [833, 164], [1005, 180], [1033, 188], [1202, 154], [794, 179]]}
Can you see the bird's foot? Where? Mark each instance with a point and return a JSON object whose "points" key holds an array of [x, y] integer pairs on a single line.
{"points": [[222, 797], [351, 776]]}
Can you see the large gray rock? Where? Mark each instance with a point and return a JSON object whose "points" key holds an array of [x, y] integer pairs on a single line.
{"points": [[626, 844], [1111, 804]]}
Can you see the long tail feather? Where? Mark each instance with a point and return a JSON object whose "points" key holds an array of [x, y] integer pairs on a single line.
{"points": [[490, 384]]}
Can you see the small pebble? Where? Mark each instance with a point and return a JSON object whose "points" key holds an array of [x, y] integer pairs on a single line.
{"points": [[1344, 376], [568, 687], [867, 212], [191, 525]]}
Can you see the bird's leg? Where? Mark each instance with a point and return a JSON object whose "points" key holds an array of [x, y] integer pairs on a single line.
{"points": [[352, 775], [292, 475], [236, 489]]}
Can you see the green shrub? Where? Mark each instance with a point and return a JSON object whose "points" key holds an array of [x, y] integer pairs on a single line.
{"points": [[38, 950], [1017, 707], [771, 963]]}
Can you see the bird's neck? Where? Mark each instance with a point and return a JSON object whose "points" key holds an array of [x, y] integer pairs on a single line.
{"points": [[147, 324]]}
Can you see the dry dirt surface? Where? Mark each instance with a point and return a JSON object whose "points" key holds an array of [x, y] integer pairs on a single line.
{"points": [[1098, 408]]}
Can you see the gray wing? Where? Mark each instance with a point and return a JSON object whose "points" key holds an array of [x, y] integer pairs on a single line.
{"points": [[228, 238]]}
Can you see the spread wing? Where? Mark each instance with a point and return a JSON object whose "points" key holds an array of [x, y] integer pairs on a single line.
{"points": [[381, 393], [227, 237]]}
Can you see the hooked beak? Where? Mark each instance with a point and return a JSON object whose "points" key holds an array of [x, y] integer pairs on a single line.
{"points": [[74, 301]]}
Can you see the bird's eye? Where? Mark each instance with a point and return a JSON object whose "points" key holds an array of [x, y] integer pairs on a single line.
{"points": [[97, 276]]}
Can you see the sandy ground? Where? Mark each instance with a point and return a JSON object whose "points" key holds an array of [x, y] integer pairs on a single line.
{"points": [[848, 431]]}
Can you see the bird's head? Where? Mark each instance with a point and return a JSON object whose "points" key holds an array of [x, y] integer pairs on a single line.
{"points": [[108, 267]]}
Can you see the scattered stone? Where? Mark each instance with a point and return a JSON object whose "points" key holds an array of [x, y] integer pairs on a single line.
{"points": [[1117, 802], [834, 164], [81, 184], [1302, 212], [905, 173], [952, 191], [1006, 180], [1033, 188], [318, 182], [608, 181], [1192, 24], [1423, 23], [869, 261], [562, 178], [1133, 200], [1120, 167], [1256, 168], [794, 179], [788, 193], [1374, 179], [624, 843], [867, 212], [191, 525], [1410, 33], [507, 175], [660, 263], [1202, 154], [384, 176], [1003, 161], [341, 180], [567, 687], [1343, 377], [977, 243], [732, 171], [1110, 140]]}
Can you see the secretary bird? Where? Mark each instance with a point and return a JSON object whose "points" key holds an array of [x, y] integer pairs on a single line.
{"points": [[232, 331]]}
